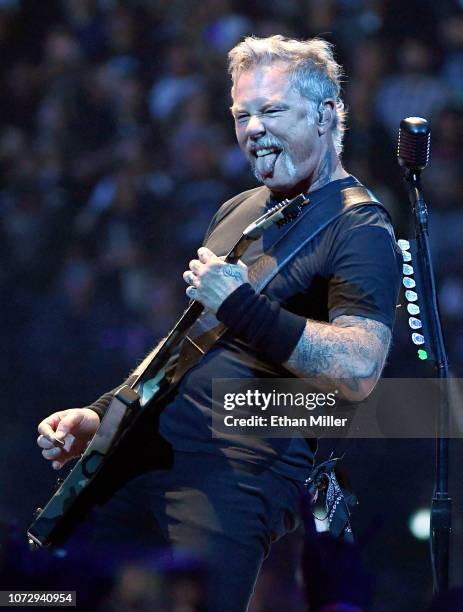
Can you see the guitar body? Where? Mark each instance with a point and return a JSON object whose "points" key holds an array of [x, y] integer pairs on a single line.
{"points": [[126, 444]]}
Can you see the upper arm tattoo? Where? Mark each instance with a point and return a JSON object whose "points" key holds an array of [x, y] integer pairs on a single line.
{"points": [[351, 348], [380, 336], [378, 328]]}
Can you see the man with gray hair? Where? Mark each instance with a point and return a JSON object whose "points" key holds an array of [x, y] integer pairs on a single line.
{"points": [[326, 315], [311, 68]]}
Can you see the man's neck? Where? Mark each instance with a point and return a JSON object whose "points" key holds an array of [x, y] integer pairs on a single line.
{"points": [[330, 169]]}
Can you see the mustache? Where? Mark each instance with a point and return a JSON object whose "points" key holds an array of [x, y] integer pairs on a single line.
{"points": [[265, 143]]}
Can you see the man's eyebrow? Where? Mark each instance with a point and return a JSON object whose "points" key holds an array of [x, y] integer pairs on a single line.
{"points": [[279, 103], [237, 109]]}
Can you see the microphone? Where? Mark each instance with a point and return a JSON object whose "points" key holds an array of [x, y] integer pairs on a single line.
{"points": [[413, 145]]}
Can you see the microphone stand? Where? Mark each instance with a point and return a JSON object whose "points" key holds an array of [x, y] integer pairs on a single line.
{"points": [[441, 502]]}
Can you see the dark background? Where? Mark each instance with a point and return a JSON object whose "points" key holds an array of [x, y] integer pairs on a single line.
{"points": [[117, 146]]}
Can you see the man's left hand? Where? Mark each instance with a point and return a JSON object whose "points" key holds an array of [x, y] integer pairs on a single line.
{"points": [[211, 280]]}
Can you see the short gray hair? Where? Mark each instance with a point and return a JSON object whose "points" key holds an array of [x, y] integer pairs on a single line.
{"points": [[313, 70]]}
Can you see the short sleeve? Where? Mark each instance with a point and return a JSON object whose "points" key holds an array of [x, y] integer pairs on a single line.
{"points": [[365, 277]]}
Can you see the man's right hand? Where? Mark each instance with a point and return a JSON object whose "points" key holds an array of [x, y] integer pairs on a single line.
{"points": [[75, 427]]}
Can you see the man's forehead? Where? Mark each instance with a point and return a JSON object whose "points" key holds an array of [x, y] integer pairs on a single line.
{"points": [[262, 81]]}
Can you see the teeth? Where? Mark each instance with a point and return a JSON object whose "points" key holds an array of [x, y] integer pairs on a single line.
{"points": [[262, 152]]}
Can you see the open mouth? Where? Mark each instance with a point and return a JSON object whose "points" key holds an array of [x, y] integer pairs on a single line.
{"points": [[266, 159], [266, 151]]}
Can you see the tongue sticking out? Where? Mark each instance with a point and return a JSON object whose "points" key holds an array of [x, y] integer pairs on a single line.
{"points": [[266, 164]]}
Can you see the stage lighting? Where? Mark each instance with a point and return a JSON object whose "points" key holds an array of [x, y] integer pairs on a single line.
{"points": [[418, 523]]}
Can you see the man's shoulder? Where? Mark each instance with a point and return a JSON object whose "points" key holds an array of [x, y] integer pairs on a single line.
{"points": [[362, 211], [361, 206], [367, 214], [260, 194]]}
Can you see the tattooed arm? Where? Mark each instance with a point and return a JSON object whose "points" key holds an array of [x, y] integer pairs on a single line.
{"points": [[351, 348]]}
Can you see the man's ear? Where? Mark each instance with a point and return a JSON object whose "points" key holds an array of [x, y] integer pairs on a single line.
{"points": [[325, 115]]}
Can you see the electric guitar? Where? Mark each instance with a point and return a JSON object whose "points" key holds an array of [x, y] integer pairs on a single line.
{"points": [[103, 467]]}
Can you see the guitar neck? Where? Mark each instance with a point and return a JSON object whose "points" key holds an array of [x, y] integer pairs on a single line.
{"points": [[188, 318]]}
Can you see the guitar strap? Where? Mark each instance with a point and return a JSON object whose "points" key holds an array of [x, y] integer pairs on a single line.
{"points": [[315, 217]]}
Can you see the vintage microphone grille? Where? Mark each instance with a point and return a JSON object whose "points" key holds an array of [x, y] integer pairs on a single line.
{"points": [[414, 143]]}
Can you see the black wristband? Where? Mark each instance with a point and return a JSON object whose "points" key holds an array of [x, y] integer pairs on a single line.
{"points": [[100, 405], [260, 322]]}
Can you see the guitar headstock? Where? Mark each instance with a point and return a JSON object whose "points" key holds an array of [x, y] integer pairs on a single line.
{"points": [[291, 209], [280, 214]]}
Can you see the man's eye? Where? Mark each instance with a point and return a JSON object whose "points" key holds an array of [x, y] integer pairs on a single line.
{"points": [[242, 118], [272, 110]]}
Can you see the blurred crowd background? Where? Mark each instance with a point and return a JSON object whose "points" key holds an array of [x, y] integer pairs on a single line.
{"points": [[116, 148]]}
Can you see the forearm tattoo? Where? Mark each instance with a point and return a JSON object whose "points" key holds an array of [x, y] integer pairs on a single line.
{"points": [[351, 348]]}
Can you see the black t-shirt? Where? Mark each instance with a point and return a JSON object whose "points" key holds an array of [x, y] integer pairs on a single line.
{"points": [[353, 267]]}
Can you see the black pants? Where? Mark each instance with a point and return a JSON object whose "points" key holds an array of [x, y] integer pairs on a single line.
{"points": [[227, 512]]}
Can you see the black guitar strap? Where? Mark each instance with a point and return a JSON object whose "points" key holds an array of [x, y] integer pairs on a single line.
{"points": [[289, 242]]}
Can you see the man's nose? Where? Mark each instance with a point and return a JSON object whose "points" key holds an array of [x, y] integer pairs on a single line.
{"points": [[255, 127]]}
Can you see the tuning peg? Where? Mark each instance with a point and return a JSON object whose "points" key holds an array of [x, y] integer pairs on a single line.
{"points": [[33, 546], [413, 309], [414, 323], [411, 296], [418, 338]]}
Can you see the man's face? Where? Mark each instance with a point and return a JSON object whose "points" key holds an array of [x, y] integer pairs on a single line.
{"points": [[275, 128]]}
